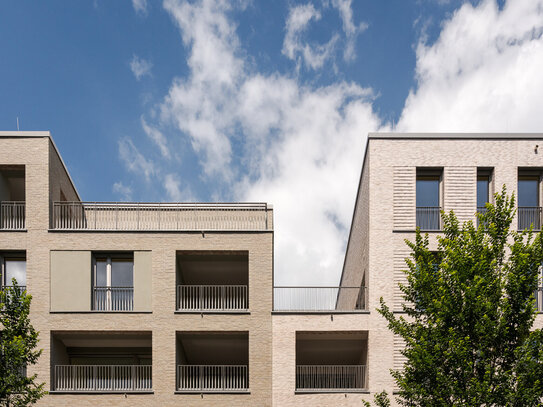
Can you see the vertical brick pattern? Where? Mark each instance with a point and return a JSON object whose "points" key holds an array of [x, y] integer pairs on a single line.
{"points": [[404, 197], [459, 190]]}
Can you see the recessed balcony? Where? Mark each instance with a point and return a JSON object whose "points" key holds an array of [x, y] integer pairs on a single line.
{"points": [[212, 362], [331, 362], [212, 281], [101, 362], [12, 198], [122, 216]]}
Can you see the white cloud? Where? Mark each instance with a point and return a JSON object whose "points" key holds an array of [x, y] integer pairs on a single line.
{"points": [[157, 136], [483, 73], [349, 28], [124, 191], [294, 48], [301, 145], [134, 161], [172, 185], [140, 67], [140, 6]]}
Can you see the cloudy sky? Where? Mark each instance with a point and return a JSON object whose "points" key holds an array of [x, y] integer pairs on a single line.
{"points": [[257, 100]]}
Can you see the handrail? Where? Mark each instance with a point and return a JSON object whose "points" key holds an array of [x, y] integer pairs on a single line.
{"points": [[112, 298], [12, 215], [330, 377], [320, 298], [97, 378], [529, 216], [428, 217], [212, 378], [212, 298], [139, 216]]}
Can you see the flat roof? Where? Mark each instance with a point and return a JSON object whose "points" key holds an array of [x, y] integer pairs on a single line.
{"points": [[42, 134], [474, 136]]}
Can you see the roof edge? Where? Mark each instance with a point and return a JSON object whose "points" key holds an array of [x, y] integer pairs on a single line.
{"points": [[473, 136], [42, 134]]}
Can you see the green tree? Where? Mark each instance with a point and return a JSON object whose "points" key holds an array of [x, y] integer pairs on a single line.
{"points": [[18, 342], [469, 311]]}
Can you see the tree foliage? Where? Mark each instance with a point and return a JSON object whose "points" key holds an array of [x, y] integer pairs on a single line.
{"points": [[469, 311], [18, 342]]}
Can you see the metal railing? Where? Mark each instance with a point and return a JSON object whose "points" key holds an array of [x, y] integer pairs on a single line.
{"points": [[113, 298], [12, 215], [429, 217], [330, 377], [212, 298], [212, 378], [98, 378], [529, 216], [159, 216], [539, 299], [321, 299]]}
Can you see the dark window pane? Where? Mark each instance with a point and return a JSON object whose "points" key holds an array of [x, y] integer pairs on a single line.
{"points": [[122, 273], [101, 273], [16, 269], [528, 192], [482, 192], [428, 193]]}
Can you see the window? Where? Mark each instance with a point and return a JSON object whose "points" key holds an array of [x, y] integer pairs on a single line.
{"points": [[13, 266], [484, 186], [428, 192], [113, 282], [529, 211]]}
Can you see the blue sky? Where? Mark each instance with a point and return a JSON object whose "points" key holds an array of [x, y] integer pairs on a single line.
{"points": [[261, 100]]}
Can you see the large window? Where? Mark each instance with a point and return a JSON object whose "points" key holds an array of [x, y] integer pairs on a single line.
{"points": [[13, 266], [113, 282], [529, 211], [428, 198]]}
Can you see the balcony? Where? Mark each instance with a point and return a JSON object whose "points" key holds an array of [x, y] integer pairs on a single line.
{"points": [[101, 362], [339, 378], [113, 298], [212, 281], [12, 197], [428, 218], [529, 216], [212, 378], [12, 215], [118, 216], [320, 299], [209, 298], [331, 361], [212, 362], [103, 378]]}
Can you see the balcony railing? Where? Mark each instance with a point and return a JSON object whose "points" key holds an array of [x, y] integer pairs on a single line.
{"points": [[12, 215], [212, 378], [320, 299], [529, 216], [429, 217], [539, 299], [330, 377], [212, 298], [115, 216], [113, 298], [103, 378]]}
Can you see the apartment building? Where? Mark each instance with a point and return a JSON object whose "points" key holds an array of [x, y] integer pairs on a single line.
{"points": [[330, 346], [136, 304]]}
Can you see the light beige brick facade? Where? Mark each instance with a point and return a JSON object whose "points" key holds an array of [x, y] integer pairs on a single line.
{"points": [[384, 216], [50, 283], [59, 267]]}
